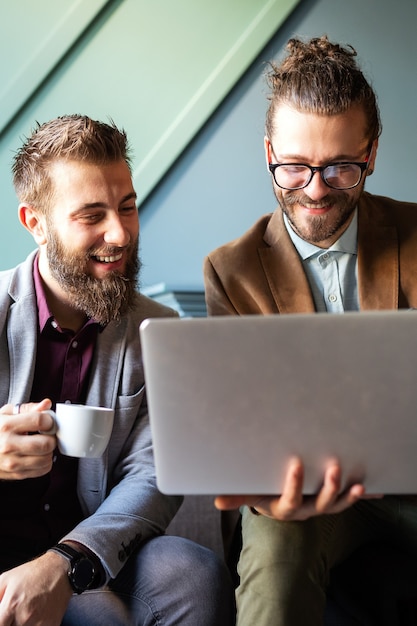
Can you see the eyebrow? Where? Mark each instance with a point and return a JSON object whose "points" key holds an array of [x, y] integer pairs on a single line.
{"points": [[130, 196], [99, 205], [290, 158]]}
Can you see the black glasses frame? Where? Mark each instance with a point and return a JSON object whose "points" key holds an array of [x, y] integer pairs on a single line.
{"points": [[363, 165]]}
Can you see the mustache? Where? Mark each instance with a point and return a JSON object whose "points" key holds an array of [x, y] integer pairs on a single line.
{"points": [[302, 198], [108, 250]]}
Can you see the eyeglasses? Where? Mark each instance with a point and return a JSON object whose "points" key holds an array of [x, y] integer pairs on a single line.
{"points": [[293, 176]]}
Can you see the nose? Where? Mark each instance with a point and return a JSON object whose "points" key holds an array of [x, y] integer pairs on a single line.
{"points": [[115, 232], [316, 188]]}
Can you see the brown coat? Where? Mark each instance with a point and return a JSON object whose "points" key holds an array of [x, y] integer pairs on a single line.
{"points": [[261, 272]]}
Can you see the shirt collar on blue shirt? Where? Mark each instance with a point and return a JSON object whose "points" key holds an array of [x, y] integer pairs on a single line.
{"points": [[347, 242]]}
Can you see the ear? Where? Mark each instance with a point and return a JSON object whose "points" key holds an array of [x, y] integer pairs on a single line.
{"points": [[33, 221], [268, 151], [372, 158]]}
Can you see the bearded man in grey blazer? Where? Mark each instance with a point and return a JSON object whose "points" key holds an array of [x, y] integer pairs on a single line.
{"points": [[69, 331]]}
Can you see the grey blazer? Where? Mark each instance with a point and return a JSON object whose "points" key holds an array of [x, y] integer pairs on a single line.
{"points": [[118, 493]]}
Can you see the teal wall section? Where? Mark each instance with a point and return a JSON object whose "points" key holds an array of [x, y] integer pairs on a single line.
{"points": [[158, 68], [34, 37]]}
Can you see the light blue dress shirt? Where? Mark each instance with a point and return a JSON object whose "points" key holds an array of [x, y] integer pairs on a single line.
{"points": [[332, 272]]}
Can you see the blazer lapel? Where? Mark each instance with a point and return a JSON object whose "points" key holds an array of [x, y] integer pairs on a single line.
{"points": [[283, 269], [378, 271], [22, 333], [110, 346]]}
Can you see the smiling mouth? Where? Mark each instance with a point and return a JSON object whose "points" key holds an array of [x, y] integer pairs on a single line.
{"points": [[316, 210], [315, 206], [108, 259]]}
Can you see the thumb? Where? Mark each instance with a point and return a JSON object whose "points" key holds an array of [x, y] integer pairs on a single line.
{"points": [[43, 405]]}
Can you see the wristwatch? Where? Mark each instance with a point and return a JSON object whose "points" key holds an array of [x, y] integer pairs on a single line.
{"points": [[82, 570]]}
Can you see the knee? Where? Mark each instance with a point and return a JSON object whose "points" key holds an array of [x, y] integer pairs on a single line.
{"points": [[190, 571], [171, 557], [208, 568]]}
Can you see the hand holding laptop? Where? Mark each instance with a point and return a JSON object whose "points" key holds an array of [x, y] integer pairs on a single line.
{"points": [[292, 504]]}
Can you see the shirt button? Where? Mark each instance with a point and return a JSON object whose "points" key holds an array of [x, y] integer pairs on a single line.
{"points": [[46, 507], [74, 344], [332, 297], [326, 256]]}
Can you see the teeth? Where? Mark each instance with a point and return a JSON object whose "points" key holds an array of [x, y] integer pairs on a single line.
{"points": [[109, 259]]}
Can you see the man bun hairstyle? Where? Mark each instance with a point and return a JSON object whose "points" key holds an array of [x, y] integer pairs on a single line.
{"points": [[323, 78]]}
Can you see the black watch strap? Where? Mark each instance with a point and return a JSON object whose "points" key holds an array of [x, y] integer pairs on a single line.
{"points": [[82, 572]]}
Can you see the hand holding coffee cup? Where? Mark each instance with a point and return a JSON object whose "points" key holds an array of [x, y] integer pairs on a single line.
{"points": [[81, 430]]}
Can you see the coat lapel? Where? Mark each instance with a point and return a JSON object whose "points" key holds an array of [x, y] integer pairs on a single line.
{"points": [[283, 269], [110, 346], [22, 324], [378, 254], [22, 351]]}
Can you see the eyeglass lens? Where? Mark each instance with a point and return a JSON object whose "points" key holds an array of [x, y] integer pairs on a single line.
{"points": [[338, 176]]}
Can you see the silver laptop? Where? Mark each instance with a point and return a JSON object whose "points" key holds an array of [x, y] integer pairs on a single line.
{"points": [[232, 399]]}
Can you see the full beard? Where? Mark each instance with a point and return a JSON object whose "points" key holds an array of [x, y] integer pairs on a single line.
{"points": [[319, 228], [102, 299]]}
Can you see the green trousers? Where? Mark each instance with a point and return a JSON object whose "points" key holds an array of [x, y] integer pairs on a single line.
{"points": [[284, 566]]}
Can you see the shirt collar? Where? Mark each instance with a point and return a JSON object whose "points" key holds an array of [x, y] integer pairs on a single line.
{"points": [[347, 242]]}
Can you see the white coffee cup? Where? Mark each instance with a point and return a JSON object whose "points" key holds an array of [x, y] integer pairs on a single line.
{"points": [[81, 430]]}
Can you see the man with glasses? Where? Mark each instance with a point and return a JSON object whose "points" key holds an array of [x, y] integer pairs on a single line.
{"points": [[329, 247]]}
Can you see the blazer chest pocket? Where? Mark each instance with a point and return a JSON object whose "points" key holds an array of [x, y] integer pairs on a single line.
{"points": [[131, 402]]}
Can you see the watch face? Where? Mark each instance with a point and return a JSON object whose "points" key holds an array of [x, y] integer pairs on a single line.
{"points": [[82, 574]]}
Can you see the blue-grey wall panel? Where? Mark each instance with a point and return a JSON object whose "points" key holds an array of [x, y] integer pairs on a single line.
{"points": [[157, 68]]}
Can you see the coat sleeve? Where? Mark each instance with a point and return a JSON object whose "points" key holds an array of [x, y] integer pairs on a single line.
{"points": [[134, 510]]}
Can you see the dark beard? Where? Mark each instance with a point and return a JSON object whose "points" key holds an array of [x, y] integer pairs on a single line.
{"points": [[102, 299]]}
